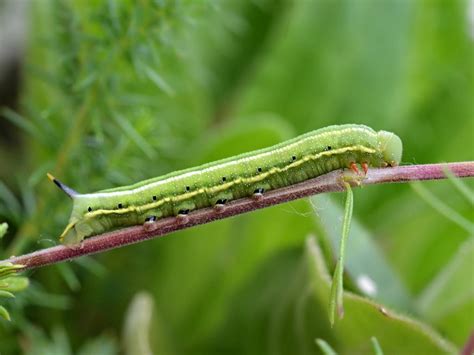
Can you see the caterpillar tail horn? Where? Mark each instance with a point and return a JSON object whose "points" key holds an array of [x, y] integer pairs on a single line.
{"points": [[67, 190]]}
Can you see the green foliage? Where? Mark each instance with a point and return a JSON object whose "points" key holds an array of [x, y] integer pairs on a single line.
{"points": [[119, 91], [377, 349], [448, 301], [325, 347], [370, 319], [327, 350], [137, 325], [9, 282], [59, 344]]}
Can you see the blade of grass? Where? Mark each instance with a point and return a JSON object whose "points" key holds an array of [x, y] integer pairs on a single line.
{"points": [[337, 287], [159, 81], [441, 207], [325, 347], [21, 122], [132, 133], [376, 345], [460, 185]]}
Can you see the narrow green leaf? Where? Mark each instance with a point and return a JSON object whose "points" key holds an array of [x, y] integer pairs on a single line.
{"points": [[159, 81], [9, 269], [85, 82], [450, 284], [10, 199], [132, 133], [137, 325], [334, 296], [365, 263], [6, 294], [50, 300], [92, 265], [69, 276], [3, 229], [441, 207], [14, 283], [21, 122], [4, 313], [460, 186], [448, 299], [325, 347], [103, 345], [337, 287], [376, 345], [365, 318]]}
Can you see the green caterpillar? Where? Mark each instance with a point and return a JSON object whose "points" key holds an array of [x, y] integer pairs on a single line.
{"points": [[214, 184]]}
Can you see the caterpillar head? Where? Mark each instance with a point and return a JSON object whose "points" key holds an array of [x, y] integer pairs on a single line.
{"points": [[391, 147]]}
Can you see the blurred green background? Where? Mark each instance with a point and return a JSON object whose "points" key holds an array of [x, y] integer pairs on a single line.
{"points": [[113, 92]]}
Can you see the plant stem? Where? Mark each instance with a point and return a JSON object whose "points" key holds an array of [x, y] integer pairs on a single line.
{"points": [[334, 181]]}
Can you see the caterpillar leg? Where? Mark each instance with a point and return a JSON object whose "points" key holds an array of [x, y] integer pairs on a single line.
{"points": [[365, 167], [182, 216], [354, 168], [219, 200], [150, 224], [219, 206], [258, 193]]}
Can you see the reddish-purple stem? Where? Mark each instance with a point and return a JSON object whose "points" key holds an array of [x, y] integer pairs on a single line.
{"points": [[326, 183]]}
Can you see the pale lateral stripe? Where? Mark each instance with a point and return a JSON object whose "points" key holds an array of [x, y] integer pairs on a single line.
{"points": [[216, 167]]}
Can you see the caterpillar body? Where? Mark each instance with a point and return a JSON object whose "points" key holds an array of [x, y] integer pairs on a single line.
{"points": [[214, 184]]}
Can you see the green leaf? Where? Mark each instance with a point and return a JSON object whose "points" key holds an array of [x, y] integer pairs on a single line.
{"points": [[461, 186], [442, 207], [10, 200], [365, 263], [6, 294], [158, 80], [14, 283], [325, 347], [4, 313], [3, 229], [21, 122], [134, 135], [376, 345], [9, 282], [102, 345], [7, 268], [137, 325], [69, 276], [448, 301], [364, 319], [59, 343]]}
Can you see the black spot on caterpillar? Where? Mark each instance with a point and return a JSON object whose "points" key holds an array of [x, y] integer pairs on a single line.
{"points": [[245, 175]]}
